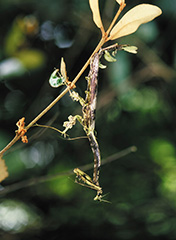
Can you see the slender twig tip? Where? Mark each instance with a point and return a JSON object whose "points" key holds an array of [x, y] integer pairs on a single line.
{"points": [[133, 149]]}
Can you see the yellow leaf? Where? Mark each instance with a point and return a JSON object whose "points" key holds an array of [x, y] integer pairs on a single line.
{"points": [[94, 5], [63, 69], [130, 22], [3, 170]]}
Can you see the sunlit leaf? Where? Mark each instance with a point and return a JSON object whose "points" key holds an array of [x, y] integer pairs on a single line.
{"points": [[94, 5], [109, 57], [3, 170], [130, 22], [130, 49]]}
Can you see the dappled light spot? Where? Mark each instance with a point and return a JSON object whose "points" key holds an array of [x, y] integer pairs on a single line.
{"points": [[63, 186], [144, 100], [62, 34], [40, 154], [16, 216], [10, 68], [163, 153], [47, 31]]}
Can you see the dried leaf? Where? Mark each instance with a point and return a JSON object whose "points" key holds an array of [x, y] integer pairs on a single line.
{"points": [[21, 130], [94, 5], [3, 170], [130, 22], [63, 68]]}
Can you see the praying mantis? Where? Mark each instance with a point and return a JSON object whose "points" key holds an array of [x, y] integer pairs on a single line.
{"points": [[128, 24], [87, 120]]}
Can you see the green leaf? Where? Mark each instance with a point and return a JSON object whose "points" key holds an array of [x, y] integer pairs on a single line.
{"points": [[102, 66], [108, 57], [130, 49], [56, 79]]}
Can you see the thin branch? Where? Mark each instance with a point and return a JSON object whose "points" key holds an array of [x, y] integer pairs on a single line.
{"points": [[122, 6], [43, 179], [10, 144]]}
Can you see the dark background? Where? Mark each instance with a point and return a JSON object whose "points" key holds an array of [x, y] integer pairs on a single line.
{"points": [[136, 106]]}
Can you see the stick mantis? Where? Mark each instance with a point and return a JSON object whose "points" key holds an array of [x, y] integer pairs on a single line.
{"points": [[87, 120]]}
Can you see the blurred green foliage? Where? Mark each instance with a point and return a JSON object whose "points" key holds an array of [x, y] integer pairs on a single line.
{"points": [[136, 106]]}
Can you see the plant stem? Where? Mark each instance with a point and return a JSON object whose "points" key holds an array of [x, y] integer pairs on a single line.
{"points": [[115, 18], [10, 144]]}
